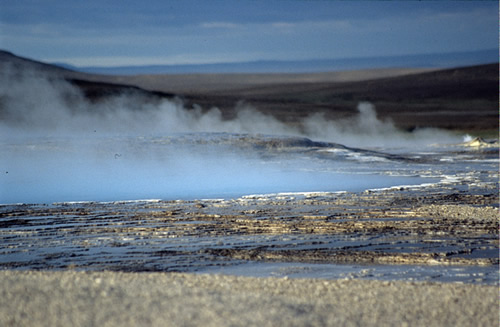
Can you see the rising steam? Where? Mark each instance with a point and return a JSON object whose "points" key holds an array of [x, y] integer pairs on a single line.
{"points": [[59, 146], [33, 104]]}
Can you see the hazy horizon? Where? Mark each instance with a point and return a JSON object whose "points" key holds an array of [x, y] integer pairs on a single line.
{"points": [[117, 33], [437, 60]]}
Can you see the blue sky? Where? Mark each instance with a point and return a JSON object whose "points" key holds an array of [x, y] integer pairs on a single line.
{"points": [[114, 33]]}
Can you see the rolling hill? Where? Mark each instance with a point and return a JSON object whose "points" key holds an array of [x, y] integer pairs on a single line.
{"points": [[463, 98]]}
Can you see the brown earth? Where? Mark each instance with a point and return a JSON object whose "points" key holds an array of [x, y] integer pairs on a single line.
{"points": [[462, 98], [457, 99]]}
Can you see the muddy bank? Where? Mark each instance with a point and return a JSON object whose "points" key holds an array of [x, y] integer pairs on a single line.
{"points": [[432, 225], [159, 299]]}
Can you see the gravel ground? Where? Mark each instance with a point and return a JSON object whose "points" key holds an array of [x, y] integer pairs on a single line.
{"points": [[70, 298]]}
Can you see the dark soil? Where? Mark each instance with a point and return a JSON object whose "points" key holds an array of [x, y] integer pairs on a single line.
{"points": [[460, 99]]}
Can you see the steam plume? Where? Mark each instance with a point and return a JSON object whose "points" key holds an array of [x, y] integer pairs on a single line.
{"points": [[56, 145], [31, 103]]}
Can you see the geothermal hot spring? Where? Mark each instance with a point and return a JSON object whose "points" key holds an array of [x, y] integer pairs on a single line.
{"points": [[187, 166], [78, 181], [57, 146]]}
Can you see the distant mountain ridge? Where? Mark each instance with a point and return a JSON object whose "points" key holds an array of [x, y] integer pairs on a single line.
{"points": [[439, 60]]}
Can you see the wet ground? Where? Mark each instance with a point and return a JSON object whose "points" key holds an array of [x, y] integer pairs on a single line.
{"points": [[442, 228]]}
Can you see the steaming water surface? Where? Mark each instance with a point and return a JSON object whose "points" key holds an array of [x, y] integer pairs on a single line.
{"points": [[187, 166], [57, 145]]}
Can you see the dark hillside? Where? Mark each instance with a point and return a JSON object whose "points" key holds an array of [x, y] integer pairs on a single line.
{"points": [[93, 87], [16, 64], [98, 90], [460, 98]]}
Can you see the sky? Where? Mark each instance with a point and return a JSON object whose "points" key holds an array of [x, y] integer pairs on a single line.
{"points": [[125, 32]]}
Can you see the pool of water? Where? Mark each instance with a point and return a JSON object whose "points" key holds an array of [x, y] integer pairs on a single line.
{"points": [[189, 166]]}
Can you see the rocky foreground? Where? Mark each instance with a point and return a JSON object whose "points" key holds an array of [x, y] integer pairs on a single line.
{"points": [[168, 299]]}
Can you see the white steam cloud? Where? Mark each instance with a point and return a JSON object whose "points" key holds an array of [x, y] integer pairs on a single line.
{"points": [[32, 104], [56, 145]]}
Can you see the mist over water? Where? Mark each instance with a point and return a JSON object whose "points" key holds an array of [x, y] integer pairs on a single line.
{"points": [[56, 145], [34, 105]]}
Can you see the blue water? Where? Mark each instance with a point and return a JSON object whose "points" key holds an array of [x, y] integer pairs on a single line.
{"points": [[182, 167]]}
